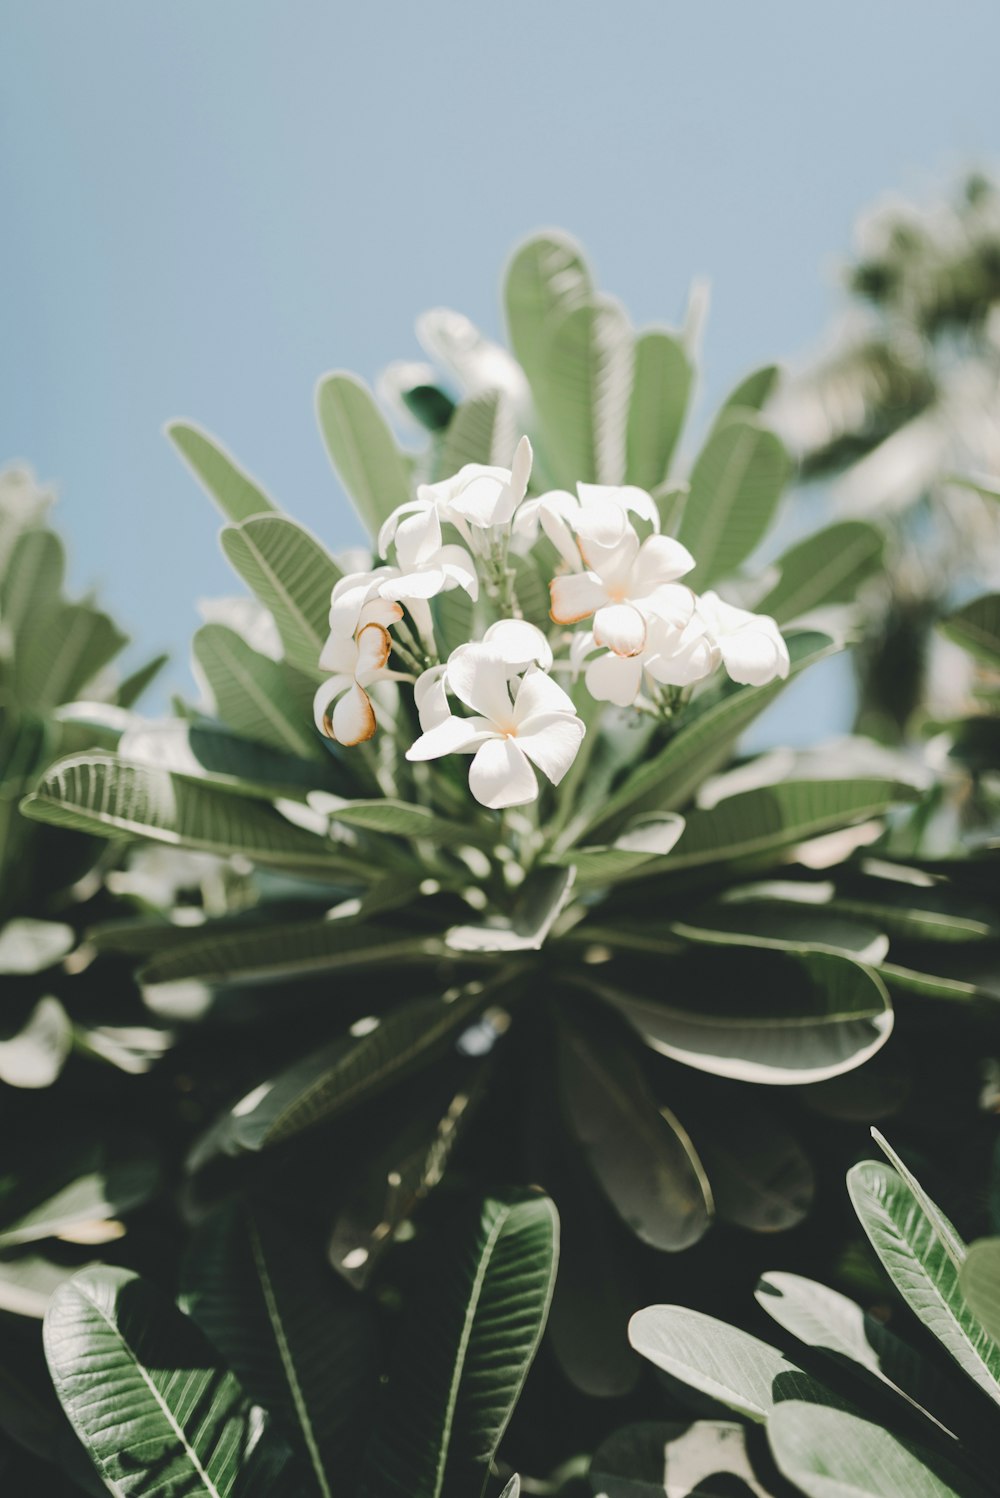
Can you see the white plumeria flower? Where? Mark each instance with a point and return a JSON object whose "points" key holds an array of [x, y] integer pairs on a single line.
{"points": [[676, 654], [425, 566], [627, 583], [601, 507], [536, 726], [476, 498], [752, 647], [355, 660]]}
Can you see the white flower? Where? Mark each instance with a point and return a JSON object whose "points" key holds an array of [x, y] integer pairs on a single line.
{"points": [[603, 508], [478, 497], [676, 656], [627, 583], [424, 565], [752, 647], [536, 726], [356, 660]]}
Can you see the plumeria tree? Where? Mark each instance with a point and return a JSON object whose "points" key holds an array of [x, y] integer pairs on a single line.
{"points": [[485, 824]]}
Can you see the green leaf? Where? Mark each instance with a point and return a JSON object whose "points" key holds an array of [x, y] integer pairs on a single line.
{"points": [[826, 568], [640, 1155], [303, 1346], [332, 1081], [30, 946], [464, 1352], [214, 755], [32, 582], [235, 492], [131, 689], [953, 1245], [541, 900], [80, 1180], [652, 1459], [661, 389], [760, 1175], [770, 1017], [29, 1281], [482, 430], [917, 912], [735, 486], [99, 794], [828, 1453], [979, 1279], [641, 845], [758, 822], [403, 819], [66, 647], [668, 779], [731, 1367], [546, 278], [582, 396], [362, 449], [291, 574], [264, 699], [822, 1318], [146, 1397], [782, 926], [977, 628], [923, 1271], [752, 393], [283, 951]]}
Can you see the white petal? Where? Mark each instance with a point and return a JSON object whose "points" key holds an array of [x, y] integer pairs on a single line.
{"points": [[427, 582], [576, 596], [661, 559], [628, 497], [500, 775], [518, 644], [380, 611], [420, 505], [417, 539], [754, 655], [453, 736], [353, 718], [672, 603], [479, 678], [431, 698], [551, 741], [520, 470], [458, 565], [325, 693], [614, 678], [621, 628], [538, 693], [349, 596], [600, 520], [339, 655], [680, 658], [373, 653]]}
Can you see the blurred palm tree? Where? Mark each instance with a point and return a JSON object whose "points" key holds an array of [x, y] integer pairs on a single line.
{"points": [[897, 413]]}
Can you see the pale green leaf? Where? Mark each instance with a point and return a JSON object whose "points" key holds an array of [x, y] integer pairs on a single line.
{"points": [[362, 449], [735, 486], [266, 700], [546, 278], [979, 1279], [977, 628], [826, 568], [661, 389], [235, 492], [290, 573]]}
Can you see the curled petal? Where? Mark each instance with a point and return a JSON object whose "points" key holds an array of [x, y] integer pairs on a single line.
{"points": [[349, 596], [520, 469], [551, 741], [380, 611], [754, 656], [628, 497], [518, 644], [452, 736], [680, 658], [576, 596], [339, 655], [485, 501], [427, 583], [373, 653], [671, 603], [431, 698], [621, 628], [418, 537], [500, 775], [418, 506], [325, 694], [614, 678], [353, 719], [661, 559]]}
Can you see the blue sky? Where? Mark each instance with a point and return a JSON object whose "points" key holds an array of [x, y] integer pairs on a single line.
{"points": [[207, 203]]}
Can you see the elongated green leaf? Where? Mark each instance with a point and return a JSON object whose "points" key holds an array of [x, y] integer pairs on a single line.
{"points": [[661, 388], [642, 845], [546, 278], [668, 779], [336, 1079], [465, 1352], [640, 1155], [302, 1345], [730, 1366], [782, 926], [403, 819], [655, 1460], [933, 912], [66, 647], [32, 582], [828, 1453], [29, 1281], [97, 793], [542, 898], [826, 568], [979, 1279], [235, 492], [752, 393], [763, 821], [482, 430], [362, 449], [922, 1269], [147, 1398], [949, 1238], [286, 950], [79, 1180], [264, 699], [129, 691], [214, 755], [736, 483], [760, 1175], [582, 397], [771, 1017], [291, 574], [977, 628]]}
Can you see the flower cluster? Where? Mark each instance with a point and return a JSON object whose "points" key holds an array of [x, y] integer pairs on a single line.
{"points": [[627, 622]]}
